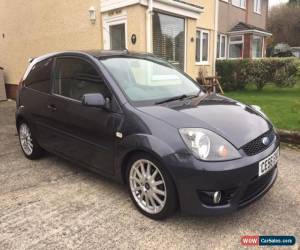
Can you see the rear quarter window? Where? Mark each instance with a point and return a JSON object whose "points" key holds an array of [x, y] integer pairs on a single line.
{"points": [[39, 77]]}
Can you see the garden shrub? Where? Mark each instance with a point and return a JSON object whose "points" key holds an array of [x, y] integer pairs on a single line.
{"points": [[236, 74]]}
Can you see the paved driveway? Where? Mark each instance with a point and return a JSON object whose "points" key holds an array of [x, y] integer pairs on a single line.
{"points": [[52, 204]]}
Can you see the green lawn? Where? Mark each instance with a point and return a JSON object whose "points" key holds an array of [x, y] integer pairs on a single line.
{"points": [[282, 105]]}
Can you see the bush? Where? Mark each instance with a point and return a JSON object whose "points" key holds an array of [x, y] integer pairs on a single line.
{"points": [[236, 74]]}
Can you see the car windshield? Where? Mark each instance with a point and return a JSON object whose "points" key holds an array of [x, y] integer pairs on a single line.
{"points": [[145, 80]]}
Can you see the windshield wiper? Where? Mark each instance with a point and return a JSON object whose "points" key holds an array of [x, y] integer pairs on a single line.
{"points": [[175, 98]]}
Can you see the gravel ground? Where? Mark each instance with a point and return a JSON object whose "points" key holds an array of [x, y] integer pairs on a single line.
{"points": [[52, 204]]}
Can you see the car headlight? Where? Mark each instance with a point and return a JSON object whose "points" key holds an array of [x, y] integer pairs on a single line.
{"points": [[207, 145]]}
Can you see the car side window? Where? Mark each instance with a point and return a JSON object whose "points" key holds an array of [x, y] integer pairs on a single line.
{"points": [[39, 77], [75, 77]]}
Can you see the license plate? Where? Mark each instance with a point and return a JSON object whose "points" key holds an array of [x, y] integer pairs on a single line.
{"points": [[267, 164]]}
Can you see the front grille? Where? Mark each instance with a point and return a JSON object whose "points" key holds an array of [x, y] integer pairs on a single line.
{"points": [[256, 146]]}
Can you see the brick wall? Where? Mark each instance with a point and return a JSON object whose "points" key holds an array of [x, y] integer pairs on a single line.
{"points": [[247, 46]]}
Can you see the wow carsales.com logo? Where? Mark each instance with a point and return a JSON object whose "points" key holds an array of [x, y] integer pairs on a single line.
{"points": [[268, 240]]}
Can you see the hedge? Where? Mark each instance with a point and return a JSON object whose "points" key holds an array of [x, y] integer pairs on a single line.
{"points": [[236, 74]]}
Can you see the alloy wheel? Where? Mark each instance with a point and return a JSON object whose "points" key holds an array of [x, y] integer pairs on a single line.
{"points": [[148, 186], [26, 139]]}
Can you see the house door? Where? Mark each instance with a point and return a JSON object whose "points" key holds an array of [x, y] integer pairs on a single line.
{"points": [[117, 36], [169, 38], [115, 30]]}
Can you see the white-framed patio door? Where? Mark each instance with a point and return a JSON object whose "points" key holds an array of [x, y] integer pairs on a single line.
{"points": [[115, 33]]}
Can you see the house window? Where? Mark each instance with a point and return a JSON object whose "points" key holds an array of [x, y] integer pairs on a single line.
{"points": [[169, 38], [236, 44], [117, 36], [115, 32], [239, 3], [75, 77], [202, 46], [257, 6], [221, 46], [257, 47]]}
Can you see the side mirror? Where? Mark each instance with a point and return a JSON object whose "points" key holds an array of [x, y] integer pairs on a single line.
{"points": [[94, 100]]}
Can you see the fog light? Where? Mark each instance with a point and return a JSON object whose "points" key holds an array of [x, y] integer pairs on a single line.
{"points": [[211, 198], [217, 197]]}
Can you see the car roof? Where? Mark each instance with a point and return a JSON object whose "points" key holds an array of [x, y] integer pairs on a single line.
{"points": [[98, 54]]}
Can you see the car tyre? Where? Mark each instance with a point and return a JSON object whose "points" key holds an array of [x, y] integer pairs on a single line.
{"points": [[151, 187], [29, 145]]}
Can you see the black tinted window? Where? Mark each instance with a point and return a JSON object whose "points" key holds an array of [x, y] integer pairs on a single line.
{"points": [[75, 77], [39, 77]]}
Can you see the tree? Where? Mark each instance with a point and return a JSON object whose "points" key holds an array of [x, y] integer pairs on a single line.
{"points": [[284, 23], [294, 2]]}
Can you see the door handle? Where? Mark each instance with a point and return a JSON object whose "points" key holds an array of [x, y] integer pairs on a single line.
{"points": [[51, 107]]}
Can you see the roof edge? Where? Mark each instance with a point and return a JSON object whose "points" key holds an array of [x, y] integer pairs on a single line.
{"points": [[254, 31]]}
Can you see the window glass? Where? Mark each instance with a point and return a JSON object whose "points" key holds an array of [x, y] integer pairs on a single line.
{"points": [[236, 39], [221, 46], [198, 46], [257, 44], [117, 36], [235, 50], [147, 80], [218, 45], [75, 77], [236, 47], [202, 43], [39, 77], [169, 38], [239, 3], [257, 6], [243, 3], [204, 47]]}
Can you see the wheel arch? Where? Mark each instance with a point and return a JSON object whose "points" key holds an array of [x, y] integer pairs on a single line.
{"points": [[129, 155], [19, 119], [143, 143], [22, 117]]}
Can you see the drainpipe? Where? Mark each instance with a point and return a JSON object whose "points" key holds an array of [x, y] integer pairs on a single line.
{"points": [[149, 26], [216, 35]]}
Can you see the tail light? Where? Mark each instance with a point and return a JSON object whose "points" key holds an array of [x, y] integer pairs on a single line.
{"points": [[20, 84]]}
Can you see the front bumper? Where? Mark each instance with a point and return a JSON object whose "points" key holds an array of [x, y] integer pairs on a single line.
{"points": [[237, 180]]}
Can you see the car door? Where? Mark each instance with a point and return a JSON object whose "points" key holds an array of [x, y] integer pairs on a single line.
{"points": [[34, 97], [84, 134]]}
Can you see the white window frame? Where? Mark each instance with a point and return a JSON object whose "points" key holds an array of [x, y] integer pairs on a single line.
{"points": [[185, 43], [257, 6], [111, 21], [220, 47], [202, 31], [236, 42], [240, 4]]}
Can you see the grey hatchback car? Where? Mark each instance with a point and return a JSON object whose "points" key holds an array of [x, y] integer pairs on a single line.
{"points": [[138, 120]]}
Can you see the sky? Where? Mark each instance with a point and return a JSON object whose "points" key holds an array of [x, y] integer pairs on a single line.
{"points": [[275, 2]]}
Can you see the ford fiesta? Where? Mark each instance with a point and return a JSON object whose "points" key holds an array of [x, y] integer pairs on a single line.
{"points": [[136, 119]]}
